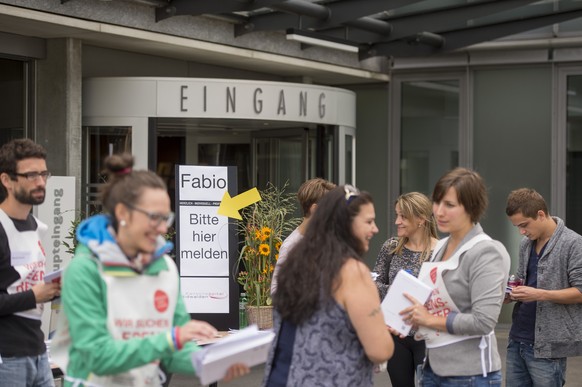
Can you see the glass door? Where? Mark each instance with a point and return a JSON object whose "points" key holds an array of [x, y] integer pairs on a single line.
{"points": [[567, 193], [279, 157], [294, 155], [100, 142], [429, 135]]}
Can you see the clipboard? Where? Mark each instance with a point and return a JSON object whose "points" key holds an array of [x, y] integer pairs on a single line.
{"points": [[395, 302], [249, 346]]}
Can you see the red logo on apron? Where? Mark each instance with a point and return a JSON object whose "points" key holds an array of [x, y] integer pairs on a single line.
{"points": [[41, 248], [161, 301], [433, 275]]}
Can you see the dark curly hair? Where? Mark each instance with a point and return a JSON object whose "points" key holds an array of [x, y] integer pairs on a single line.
{"points": [[14, 151], [309, 276]]}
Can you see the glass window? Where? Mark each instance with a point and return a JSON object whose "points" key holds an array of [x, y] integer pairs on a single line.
{"points": [[101, 141], [429, 133], [349, 159], [12, 110], [574, 154]]}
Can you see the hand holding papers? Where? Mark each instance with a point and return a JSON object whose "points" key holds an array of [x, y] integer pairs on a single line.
{"points": [[395, 302], [55, 276], [248, 346]]}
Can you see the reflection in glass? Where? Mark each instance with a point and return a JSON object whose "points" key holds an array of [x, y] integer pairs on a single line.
{"points": [[429, 133], [574, 154]]}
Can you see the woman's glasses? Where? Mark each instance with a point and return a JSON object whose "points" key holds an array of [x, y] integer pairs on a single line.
{"points": [[351, 192], [155, 218]]}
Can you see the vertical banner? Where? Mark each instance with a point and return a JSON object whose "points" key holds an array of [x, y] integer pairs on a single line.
{"points": [[58, 213], [206, 244]]}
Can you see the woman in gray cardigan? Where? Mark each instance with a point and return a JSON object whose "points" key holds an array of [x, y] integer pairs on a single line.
{"points": [[468, 271]]}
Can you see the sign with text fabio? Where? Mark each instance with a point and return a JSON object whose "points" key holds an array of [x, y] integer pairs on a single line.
{"points": [[206, 244]]}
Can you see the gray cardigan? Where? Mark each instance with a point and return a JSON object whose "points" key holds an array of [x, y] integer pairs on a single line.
{"points": [[558, 329], [477, 287]]}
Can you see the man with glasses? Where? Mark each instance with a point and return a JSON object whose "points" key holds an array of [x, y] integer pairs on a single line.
{"points": [[23, 177]]}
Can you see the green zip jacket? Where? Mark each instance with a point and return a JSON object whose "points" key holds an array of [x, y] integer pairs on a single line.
{"points": [[93, 349]]}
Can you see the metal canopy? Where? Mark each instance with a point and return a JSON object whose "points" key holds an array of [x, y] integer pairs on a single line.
{"points": [[391, 28]]}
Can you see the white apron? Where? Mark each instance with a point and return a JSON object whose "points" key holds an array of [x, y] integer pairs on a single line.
{"points": [[28, 258], [137, 306], [441, 303]]}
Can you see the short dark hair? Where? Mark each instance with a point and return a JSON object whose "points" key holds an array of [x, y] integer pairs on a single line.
{"points": [[14, 151], [526, 201], [471, 191]]}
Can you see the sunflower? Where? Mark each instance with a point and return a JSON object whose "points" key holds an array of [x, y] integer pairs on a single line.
{"points": [[264, 249], [266, 231], [277, 245]]}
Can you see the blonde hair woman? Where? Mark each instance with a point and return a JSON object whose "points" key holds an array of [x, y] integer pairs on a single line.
{"points": [[417, 236]]}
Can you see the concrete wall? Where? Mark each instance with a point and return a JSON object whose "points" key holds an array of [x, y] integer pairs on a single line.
{"points": [[58, 95]]}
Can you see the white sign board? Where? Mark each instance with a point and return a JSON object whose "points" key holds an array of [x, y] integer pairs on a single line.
{"points": [[204, 239], [58, 212]]}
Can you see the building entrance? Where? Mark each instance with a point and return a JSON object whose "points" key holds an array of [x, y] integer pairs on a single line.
{"points": [[279, 133]]}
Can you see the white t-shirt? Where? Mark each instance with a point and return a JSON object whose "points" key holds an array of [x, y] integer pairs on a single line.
{"points": [[284, 250]]}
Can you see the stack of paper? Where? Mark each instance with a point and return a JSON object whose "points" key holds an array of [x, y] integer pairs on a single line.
{"points": [[55, 276], [395, 302], [248, 346]]}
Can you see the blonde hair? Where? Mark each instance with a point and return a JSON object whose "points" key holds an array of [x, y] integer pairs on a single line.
{"points": [[311, 191], [415, 204]]}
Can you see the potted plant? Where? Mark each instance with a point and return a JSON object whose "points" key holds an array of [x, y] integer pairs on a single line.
{"points": [[263, 227]]}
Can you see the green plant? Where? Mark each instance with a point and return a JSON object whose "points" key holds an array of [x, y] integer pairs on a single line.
{"points": [[72, 234], [263, 228]]}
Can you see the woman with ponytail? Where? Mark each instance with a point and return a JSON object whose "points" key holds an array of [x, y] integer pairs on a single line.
{"points": [[124, 314]]}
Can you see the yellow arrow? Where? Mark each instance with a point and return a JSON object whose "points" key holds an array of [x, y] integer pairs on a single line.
{"points": [[230, 206]]}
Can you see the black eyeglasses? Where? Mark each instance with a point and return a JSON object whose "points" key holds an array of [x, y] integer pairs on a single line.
{"points": [[32, 176], [155, 218], [351, 192]]}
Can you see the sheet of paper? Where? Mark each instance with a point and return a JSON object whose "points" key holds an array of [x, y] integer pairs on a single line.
{"points": [[248, 346], [395, 302], [55, 276]]}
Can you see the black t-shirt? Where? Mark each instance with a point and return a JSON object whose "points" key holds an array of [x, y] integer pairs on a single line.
{"points": [[19, 336], [524, 322]]}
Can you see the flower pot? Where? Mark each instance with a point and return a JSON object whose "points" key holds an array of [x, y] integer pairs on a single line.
{"points": [[262, 316]]}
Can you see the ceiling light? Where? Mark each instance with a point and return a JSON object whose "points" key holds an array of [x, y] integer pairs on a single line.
{"points": [[305, 38]]}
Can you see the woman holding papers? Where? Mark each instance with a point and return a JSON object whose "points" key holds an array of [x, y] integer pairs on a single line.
{"points": [[124, 315], [417, 236], [468, 271], [328, 323]]}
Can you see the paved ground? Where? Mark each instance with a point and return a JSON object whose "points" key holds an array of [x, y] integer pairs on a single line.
{"points": [[573, 378]]}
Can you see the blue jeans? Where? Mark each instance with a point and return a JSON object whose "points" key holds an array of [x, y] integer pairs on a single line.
{"points": [[524, 370], [26, 371], [427, 378]]}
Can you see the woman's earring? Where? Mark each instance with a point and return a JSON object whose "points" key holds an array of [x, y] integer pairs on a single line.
{"points": [[122, 223]]}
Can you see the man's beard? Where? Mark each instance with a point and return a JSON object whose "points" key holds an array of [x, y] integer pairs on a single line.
{"points": [[27, 197]]}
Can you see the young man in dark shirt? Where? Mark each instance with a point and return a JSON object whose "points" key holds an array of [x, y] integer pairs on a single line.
{"points": [[23, 176], [545, 329]]}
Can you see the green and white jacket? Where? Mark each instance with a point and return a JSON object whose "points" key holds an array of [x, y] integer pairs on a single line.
{"points": [[117, 324]]}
